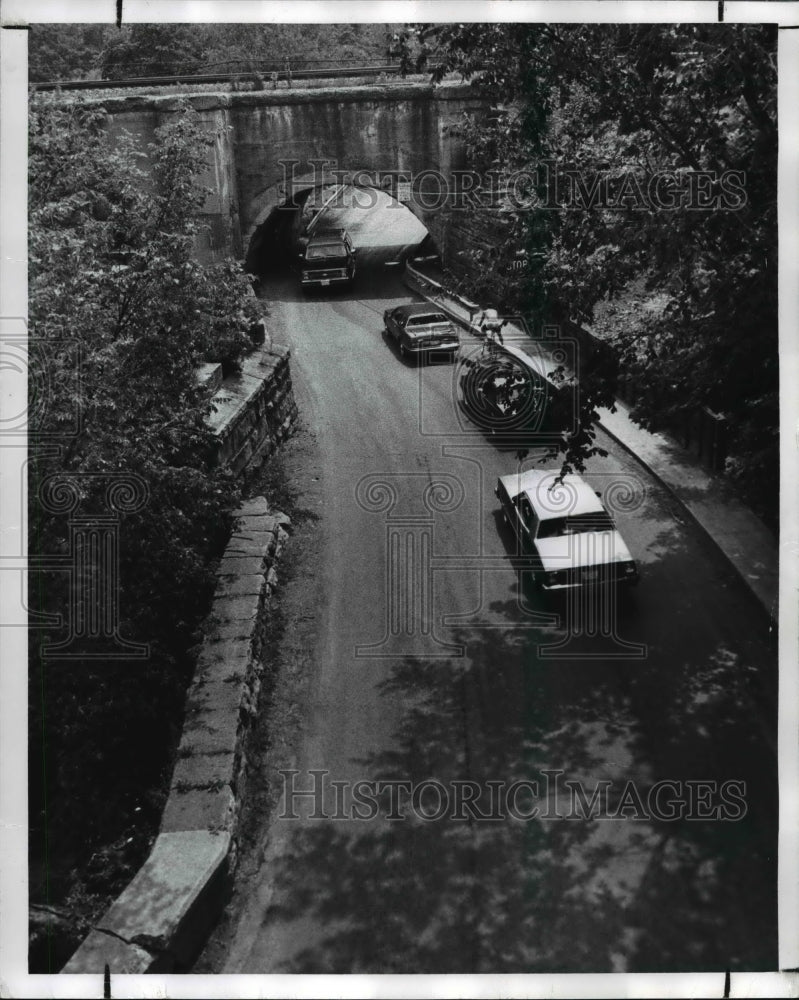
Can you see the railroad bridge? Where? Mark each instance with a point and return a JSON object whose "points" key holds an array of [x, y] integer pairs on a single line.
{"points": [[270, 145]]}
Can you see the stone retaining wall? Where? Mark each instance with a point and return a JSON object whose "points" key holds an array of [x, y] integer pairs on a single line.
{"points": [[161, 920], [460, 233], [254, 410]]}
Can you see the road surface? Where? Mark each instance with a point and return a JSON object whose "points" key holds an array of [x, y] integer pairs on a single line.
{"points": [[413, 650]]}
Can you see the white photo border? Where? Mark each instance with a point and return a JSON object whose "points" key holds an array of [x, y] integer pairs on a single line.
{"points": [[14, 978]]}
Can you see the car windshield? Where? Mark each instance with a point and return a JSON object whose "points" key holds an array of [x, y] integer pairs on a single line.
{"points": [[578, 524], [427, 319], [325, 250]]}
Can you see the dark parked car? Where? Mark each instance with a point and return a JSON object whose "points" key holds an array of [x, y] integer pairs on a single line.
{"points": [[421, 329], [328, 259], [564, 525]]}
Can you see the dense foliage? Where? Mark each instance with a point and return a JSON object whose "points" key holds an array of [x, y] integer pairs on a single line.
{"points": [[121, 313], [66, 51], [62, 52], [649, 158]]}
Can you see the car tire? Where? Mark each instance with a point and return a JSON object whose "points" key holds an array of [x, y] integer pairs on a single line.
{"points": [[403, 352]]}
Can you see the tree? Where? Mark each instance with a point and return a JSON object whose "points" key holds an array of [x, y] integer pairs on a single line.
{"points": [[169, 49], [112, 265], [120, 316], [66, 51], [651, 153], [154, 50]]}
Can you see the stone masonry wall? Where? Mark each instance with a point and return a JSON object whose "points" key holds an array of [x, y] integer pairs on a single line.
{"points": [[265, 140], [210, 774], [162, 918], [460, 232], [160, 921], [254, 410]]}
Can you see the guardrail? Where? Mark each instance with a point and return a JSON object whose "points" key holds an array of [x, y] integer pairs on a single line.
{"points": [[429, 286], [445, 299], [701, 432], [187, 78]]}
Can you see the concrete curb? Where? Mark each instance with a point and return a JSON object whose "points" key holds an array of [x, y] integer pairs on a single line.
{"points": [[768, 603], [162, 918], [762, 585]]}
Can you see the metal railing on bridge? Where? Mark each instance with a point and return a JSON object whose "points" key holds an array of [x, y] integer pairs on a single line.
{"points": [[263, 75]]}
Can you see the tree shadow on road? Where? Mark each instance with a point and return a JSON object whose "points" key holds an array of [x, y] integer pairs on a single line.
{"points": [[550, 894]]}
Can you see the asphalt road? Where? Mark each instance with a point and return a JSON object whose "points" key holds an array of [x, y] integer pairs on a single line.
{"points": [[423, 654]]}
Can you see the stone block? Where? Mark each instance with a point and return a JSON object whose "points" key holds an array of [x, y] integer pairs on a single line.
{"points": [[209, 375], [255, 506], [209, 102], [214, 735], [231, 401], [246, 523], [214, 690], [235, 585], [283, 520], [205, 771], [214, 704], [214, 652], [223, 631], [230, 671], [236, 608], [176, 896], [199, 810], [101, 949], [240, 563], [167, 104], [248, 546], [253, 538], [261, 366], [214, 656]]}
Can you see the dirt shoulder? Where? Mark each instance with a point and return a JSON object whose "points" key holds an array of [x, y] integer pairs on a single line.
{"points": [[292, 482]]}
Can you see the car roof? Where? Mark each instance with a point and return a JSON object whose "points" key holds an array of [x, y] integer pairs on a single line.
{"points": [[328, 236], [420, 309], [549, 498]]}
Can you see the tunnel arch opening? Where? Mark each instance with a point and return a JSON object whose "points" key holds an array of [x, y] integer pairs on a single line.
{"points": [[385, 231]]}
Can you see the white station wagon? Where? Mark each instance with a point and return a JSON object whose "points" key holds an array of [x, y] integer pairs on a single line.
{"points": [[572, 538]]}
